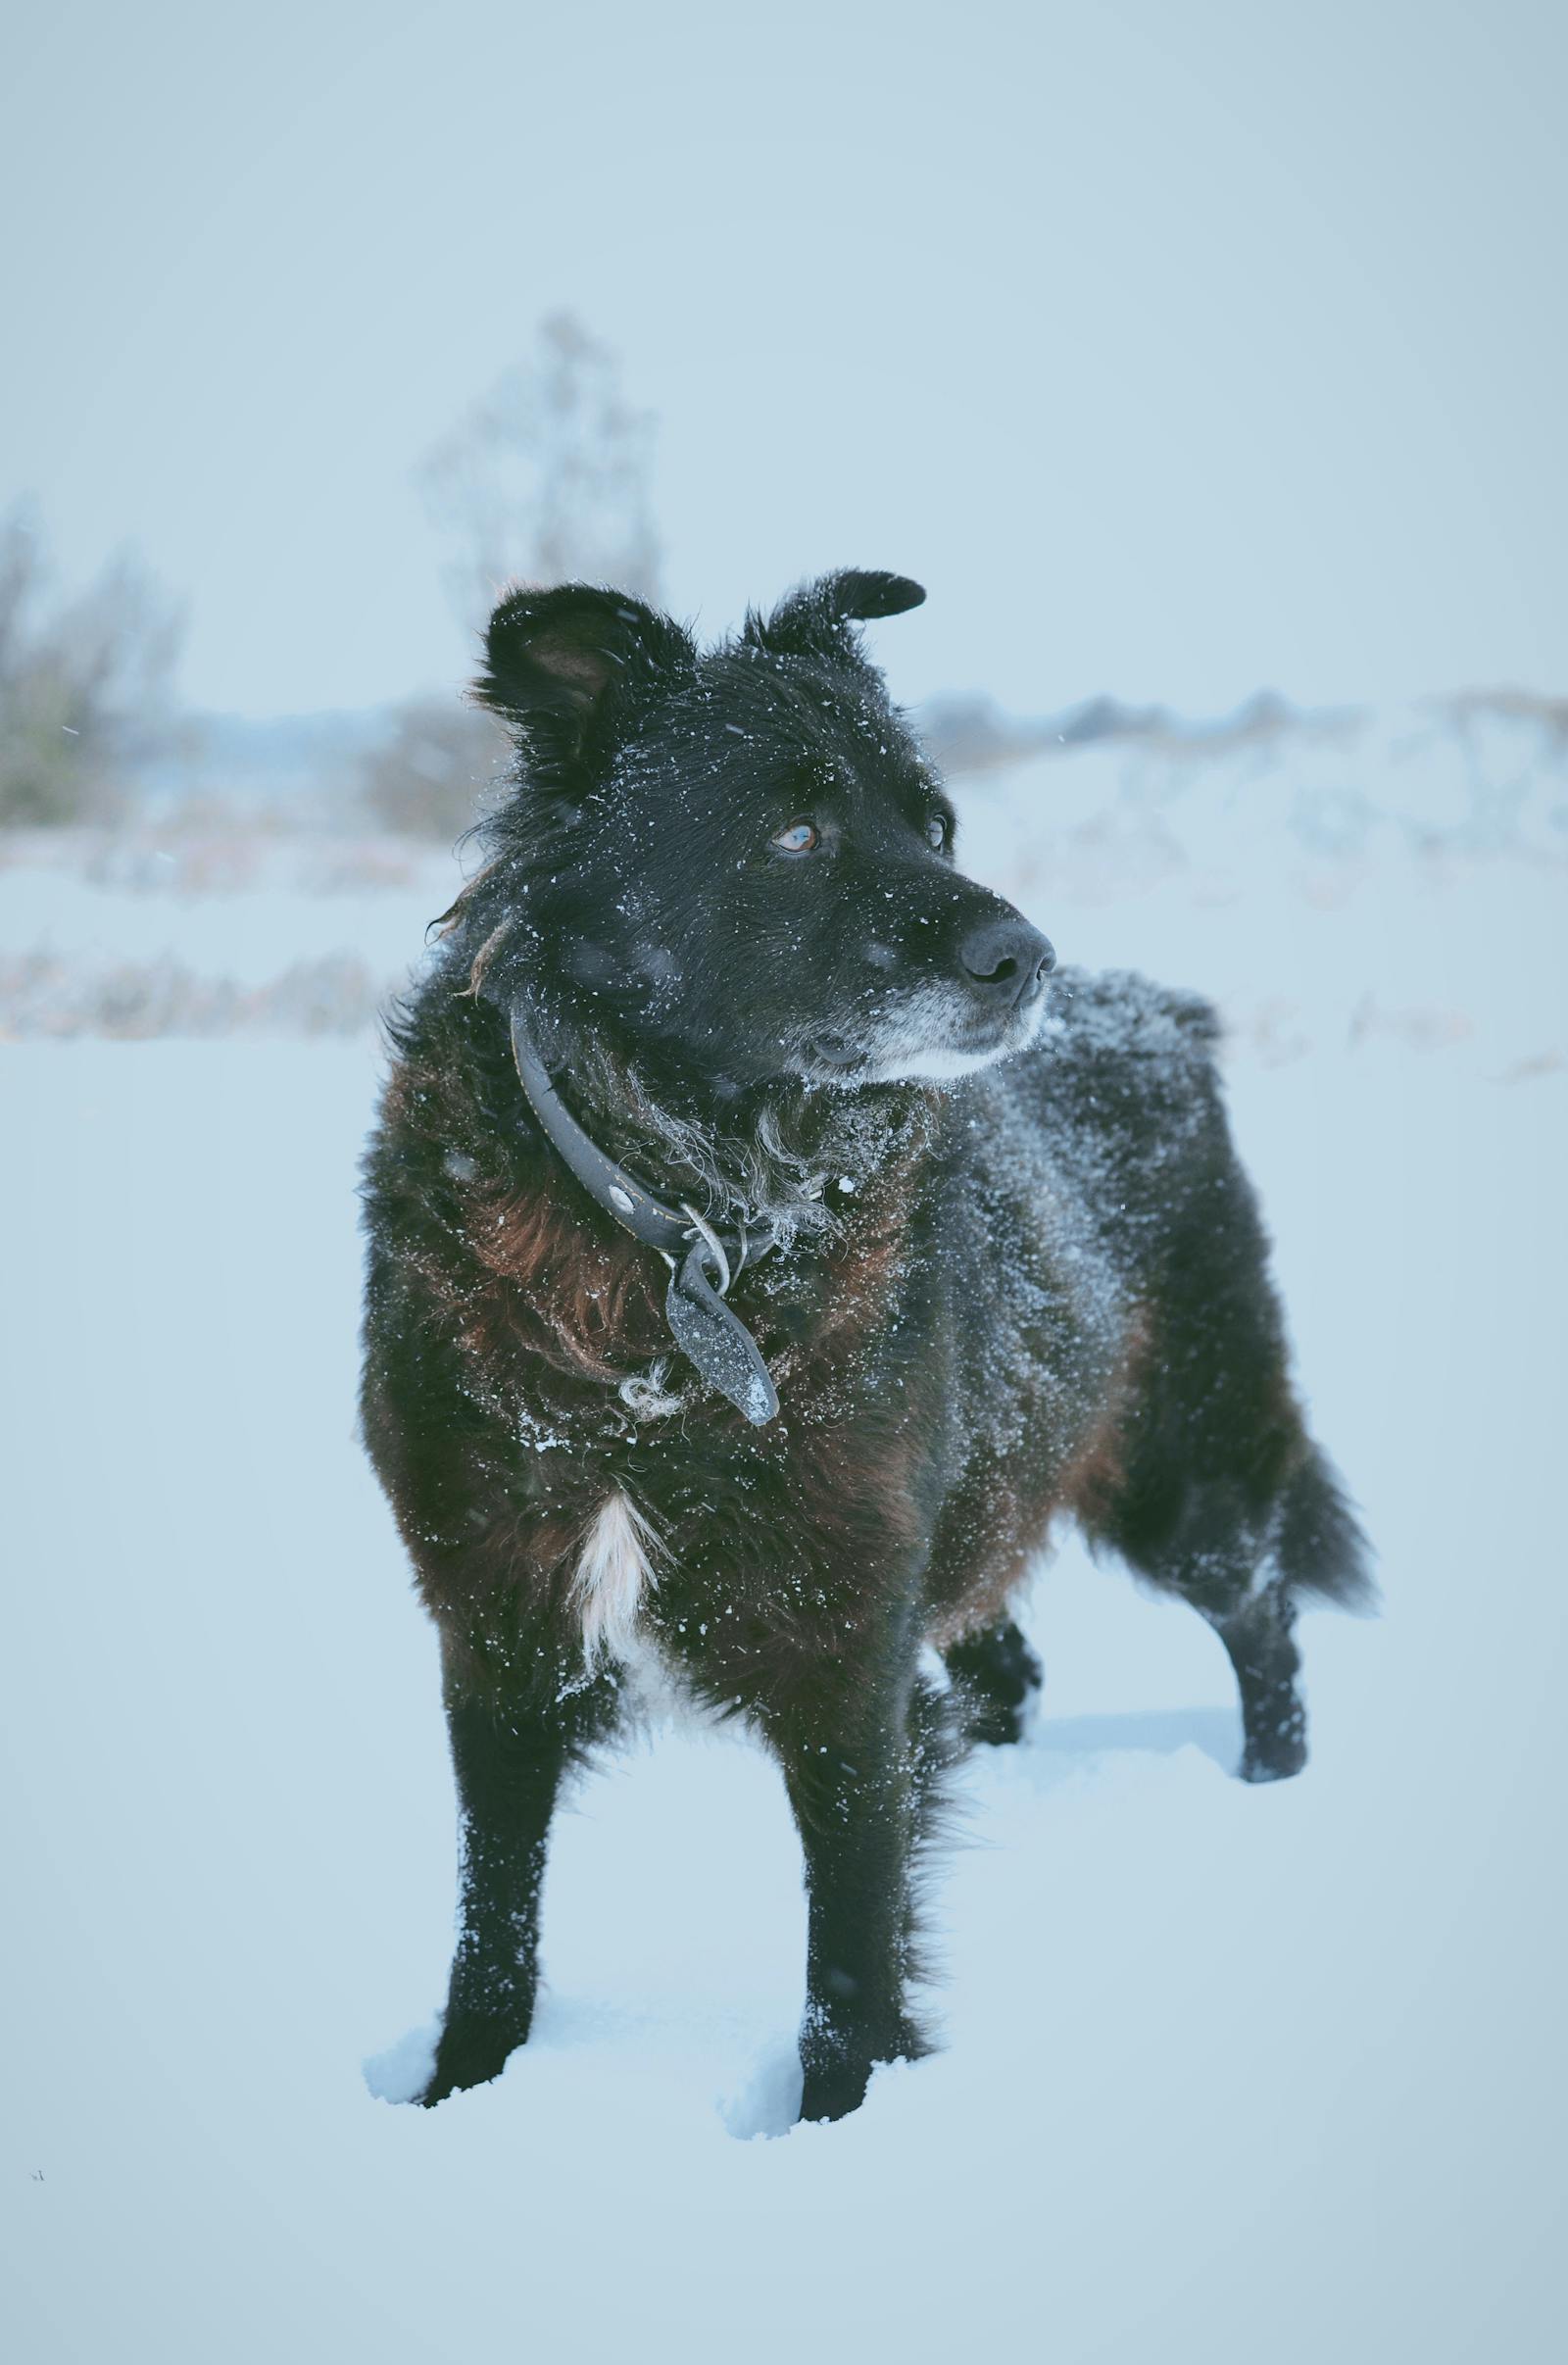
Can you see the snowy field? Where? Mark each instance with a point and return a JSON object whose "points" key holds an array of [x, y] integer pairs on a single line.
{"points": [[1230, 2075]]}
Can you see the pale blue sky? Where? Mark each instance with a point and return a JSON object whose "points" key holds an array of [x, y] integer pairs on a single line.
{"points": [[1177, 347]]}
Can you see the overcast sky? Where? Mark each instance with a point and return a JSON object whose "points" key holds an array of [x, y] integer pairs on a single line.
{"points": [[1178, 349]]}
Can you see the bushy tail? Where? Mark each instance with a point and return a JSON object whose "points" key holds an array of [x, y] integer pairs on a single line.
{"points": [[1320, 1547]]}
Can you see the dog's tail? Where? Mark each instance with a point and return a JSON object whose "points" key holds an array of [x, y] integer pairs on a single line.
{"points": [[1320, 1547]]}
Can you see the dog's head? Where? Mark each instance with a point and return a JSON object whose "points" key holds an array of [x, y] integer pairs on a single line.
{"points": [[743, 860]]}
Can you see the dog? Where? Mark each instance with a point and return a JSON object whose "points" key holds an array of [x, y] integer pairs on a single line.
{"points": [[766, 1243]]}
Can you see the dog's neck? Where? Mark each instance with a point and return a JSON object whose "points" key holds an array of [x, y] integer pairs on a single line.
{"points": [[779, 1153]]}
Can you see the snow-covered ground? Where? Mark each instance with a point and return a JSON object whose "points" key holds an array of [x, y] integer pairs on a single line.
{"points": [[1230, 2075]]}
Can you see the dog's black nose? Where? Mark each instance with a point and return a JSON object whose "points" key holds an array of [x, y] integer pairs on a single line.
{"points": [[1006, 958]]}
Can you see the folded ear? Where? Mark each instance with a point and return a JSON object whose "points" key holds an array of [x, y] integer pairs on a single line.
{"points": [[816, 619], [556, 662]]}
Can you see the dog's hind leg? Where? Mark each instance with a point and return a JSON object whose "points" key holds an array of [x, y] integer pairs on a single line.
{"points": [[1315, 1546], [1258, 1632], [997, 1675], [1238, 1591], [1220, 1562], [507, 1758], [1243, 1569]]}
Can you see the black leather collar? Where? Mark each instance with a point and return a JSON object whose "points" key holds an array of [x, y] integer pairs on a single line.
{"points": [[711, 1336]]}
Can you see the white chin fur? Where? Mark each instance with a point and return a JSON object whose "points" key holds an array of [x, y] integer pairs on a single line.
{"points": [[913, 1052], [934, 1066]]}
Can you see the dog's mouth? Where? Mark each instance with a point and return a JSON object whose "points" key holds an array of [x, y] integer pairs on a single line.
{"points": [[925, 1041]]}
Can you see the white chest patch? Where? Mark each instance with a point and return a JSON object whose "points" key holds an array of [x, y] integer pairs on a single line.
{"points": [[615, 1565]]}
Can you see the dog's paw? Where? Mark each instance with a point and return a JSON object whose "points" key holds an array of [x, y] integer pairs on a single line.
{"points": [[1273, 1757], [839, 2067], [471, 2052], [997, 1724], [834, 2092]]}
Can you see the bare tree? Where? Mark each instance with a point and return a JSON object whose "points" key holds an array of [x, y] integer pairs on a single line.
{"points": [[83, 688], [546, 479]]}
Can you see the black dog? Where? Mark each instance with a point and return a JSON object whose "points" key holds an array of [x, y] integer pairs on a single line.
{"points": [[762, 1252]]}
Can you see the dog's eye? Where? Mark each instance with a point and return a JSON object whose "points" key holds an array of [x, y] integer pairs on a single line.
{"points": [[936, 833], [800, 838]]}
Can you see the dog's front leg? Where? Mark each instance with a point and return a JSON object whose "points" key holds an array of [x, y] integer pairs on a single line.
{"points": [[855, 1783], [507, 1758]]}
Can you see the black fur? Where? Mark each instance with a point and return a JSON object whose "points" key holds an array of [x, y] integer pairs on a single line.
{"points": [[723, 888]]}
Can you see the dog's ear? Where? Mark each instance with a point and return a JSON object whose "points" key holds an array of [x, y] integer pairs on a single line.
{"points": [[817, 620], [556, 662]]}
